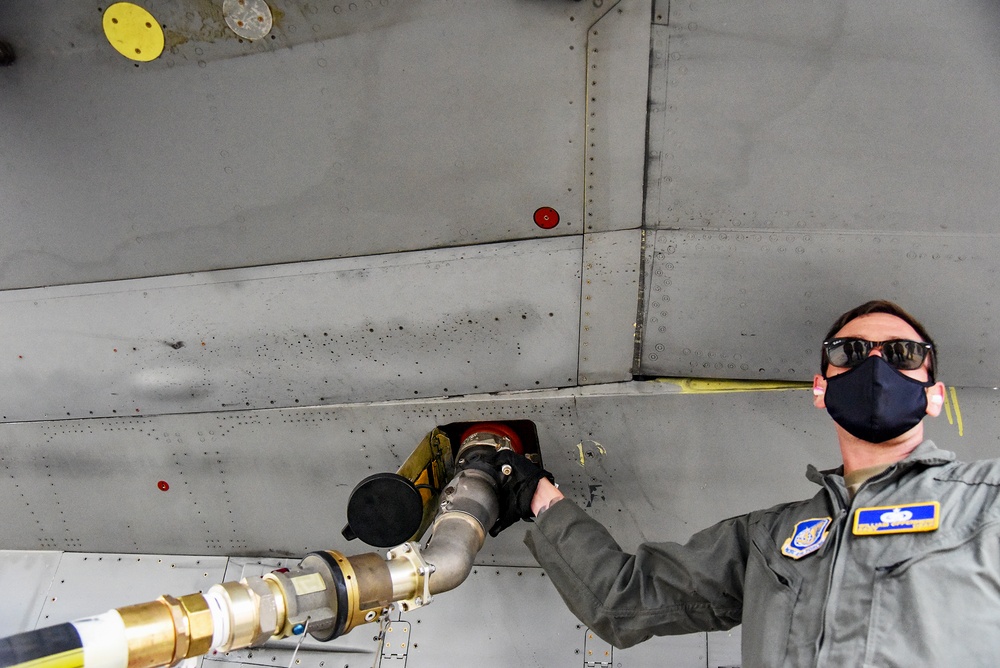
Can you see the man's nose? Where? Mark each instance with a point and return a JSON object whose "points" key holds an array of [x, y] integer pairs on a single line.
{"points": [[876, 350]]}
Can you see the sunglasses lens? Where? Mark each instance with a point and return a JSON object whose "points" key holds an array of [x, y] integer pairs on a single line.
{"points": [[908, 355], [848, 352]]}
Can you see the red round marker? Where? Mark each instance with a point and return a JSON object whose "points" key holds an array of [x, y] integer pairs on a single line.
{"points": [[546, 217], [162, 486]]}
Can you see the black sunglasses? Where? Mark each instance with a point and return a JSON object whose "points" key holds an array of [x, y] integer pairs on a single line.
{"points": [[900, 353]]}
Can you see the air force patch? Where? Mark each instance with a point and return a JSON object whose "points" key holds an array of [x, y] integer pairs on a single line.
{"points": [[808, 536], [911, 518]]}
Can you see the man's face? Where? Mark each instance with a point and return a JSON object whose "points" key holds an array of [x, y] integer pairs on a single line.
{"points": [[880, 327]]}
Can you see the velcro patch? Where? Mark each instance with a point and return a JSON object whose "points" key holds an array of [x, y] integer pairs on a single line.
{"points": [[807, 537], [908, 518]]}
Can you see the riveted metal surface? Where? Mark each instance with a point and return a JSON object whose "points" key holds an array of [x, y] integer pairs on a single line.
{"points": [[609, 305], [429, 323], [617, 85], [25, 578], [735, 277], [846, 116], [87, 584], [352, 128], [505, 610], [653, 460]]}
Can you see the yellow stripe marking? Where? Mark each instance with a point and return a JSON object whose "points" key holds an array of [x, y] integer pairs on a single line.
{"points": [[711, 386], [958, 411], [947, 409], [72, 658]]}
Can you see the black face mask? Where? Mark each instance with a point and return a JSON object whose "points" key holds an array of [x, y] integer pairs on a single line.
{"points": [[875, 402]]}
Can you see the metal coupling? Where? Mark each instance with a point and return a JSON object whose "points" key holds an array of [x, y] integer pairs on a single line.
{"points": [[150, 634], [193, 625], [248, 613], [411, 577], [480, 439]]}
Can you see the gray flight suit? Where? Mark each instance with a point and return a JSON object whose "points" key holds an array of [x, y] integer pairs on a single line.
{"points": [[929, 598]]}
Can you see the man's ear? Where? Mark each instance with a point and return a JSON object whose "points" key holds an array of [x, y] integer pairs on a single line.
{"points": [[935, 399], [819, 391]]}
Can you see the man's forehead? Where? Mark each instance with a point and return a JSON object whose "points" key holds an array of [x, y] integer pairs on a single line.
{"points": [[879, 327]]}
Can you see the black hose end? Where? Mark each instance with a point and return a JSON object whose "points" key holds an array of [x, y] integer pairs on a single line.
{"points": [[7, 55]]}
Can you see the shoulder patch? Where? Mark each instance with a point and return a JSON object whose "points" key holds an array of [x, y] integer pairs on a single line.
{"points": [[807, 537]]}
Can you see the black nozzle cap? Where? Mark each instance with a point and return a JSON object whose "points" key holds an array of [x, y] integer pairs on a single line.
{"points": [[384, 510]]}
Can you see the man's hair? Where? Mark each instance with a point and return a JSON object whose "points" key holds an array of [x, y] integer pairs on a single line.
{"points": [[880, 306]]}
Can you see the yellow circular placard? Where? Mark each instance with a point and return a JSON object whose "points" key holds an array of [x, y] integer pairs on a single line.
{"points": [[133, 32]]}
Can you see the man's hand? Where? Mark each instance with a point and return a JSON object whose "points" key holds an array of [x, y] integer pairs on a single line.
{"points": [[519, 478]]}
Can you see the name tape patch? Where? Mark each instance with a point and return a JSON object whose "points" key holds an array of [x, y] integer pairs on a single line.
{"points": [[909, 518], [807, 537]]}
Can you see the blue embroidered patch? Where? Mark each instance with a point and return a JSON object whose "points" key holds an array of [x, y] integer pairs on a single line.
{"points": [[807, 537], [909, 518]]}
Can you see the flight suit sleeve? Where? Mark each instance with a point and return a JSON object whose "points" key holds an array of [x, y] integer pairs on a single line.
{"points": [[662, 589]]}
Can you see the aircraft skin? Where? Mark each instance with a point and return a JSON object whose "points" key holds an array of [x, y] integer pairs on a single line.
{"points": [[243, 275]]}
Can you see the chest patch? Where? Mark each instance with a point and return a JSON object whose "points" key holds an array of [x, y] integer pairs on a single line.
{"points": [[910, 518], [807, 537]]}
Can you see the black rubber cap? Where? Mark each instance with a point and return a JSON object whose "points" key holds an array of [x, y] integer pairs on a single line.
{"points": [[384, 510]]}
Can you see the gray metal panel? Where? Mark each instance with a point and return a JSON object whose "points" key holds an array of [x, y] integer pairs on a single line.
{"points": [[514, 617], [652, 460], [609, 305], [725, 648], [272, 482], [90, 584], [617, 86], [427, 323], [735, 279], [25, 578], [845, 115], [360, 128]]}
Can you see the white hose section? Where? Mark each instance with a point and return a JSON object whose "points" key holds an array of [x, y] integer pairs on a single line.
{"points": [[218, 604], [104, 642]]}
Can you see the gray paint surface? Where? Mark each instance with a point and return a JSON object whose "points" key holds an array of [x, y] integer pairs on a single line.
{"points": [[488, 318], [740, 275], [361, 128], [609, 305], [25, 577], [845, 116]]}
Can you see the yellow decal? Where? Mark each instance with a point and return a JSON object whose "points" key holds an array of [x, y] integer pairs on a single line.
{"points": [[133, 32]]}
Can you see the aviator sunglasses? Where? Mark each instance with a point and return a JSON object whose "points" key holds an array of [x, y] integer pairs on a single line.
{"points": [[902, 354]]}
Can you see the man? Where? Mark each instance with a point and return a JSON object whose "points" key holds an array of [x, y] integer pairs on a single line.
{"points": [[894, 562]]}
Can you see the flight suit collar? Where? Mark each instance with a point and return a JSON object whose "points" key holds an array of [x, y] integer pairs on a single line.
{"points": [[926, 453]]}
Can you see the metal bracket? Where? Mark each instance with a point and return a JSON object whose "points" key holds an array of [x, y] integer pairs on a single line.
{"points": [[395, 644], [596, 652]]}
